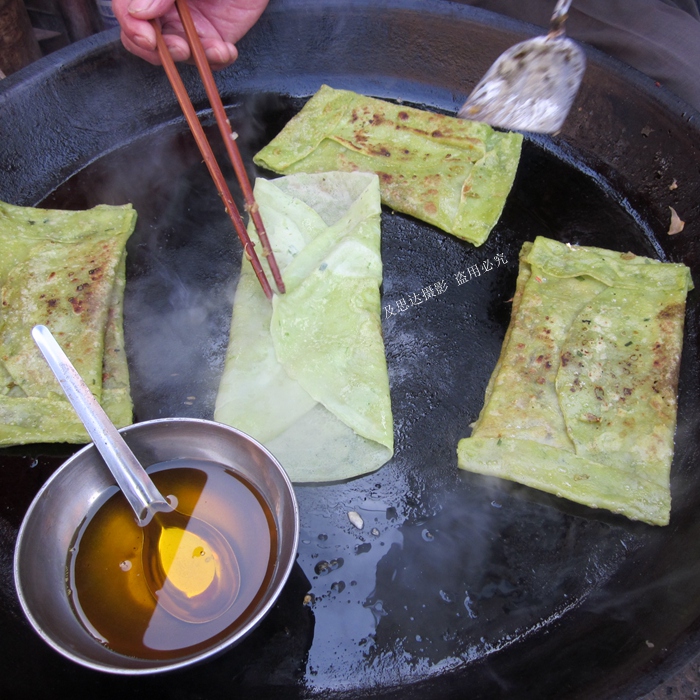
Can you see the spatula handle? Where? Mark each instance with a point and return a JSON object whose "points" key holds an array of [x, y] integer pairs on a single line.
{"points": [[561, 12]]}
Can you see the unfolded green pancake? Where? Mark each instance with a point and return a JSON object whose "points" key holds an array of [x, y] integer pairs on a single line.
{"points": [[452, 173], [307, 375], [582, 402], [64, 270]]}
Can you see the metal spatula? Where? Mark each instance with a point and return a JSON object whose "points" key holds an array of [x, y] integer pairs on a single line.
{"points": [[532, 85]]}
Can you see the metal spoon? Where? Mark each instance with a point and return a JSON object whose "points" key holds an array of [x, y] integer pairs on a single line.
{"points": [[532, 85], [154, 513]]}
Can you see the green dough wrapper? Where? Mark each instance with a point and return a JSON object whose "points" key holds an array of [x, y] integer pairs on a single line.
{"points": [[582, 402], [64, 270], [307, 375], [451, 173]]}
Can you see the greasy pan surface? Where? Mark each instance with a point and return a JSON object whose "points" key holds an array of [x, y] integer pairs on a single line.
{"points": [[457, 586]]}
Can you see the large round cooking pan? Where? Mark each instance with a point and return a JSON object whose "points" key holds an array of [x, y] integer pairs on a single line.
{"points": [[457, 586]]}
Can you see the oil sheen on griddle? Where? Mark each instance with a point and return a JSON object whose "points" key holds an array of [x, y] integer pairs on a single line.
{"points": [[106, 581]]}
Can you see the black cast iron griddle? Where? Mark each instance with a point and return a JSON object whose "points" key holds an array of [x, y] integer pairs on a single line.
{"points": [[457, 586]]}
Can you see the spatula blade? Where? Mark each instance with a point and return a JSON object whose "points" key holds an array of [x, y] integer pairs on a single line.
{"points": [[530, 87]]}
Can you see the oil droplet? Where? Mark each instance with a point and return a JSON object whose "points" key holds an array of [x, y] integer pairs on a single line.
{"points": [[377, 610], [325, 567], [322, 568], [468, 606]]}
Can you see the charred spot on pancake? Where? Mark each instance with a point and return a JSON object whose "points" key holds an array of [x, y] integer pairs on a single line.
{"points": [[671, 312], [77, 304]]}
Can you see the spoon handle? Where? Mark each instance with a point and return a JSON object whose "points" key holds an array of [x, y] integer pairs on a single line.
{"points": [[559, 15], [141, 493]]}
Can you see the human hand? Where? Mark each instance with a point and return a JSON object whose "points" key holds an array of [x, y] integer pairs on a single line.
{"points": [[219, 23]]}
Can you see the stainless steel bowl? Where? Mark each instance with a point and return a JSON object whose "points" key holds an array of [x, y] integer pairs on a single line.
{"points": [[62, 504]]}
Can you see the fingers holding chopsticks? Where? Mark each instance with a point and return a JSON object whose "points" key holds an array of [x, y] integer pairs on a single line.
{"points": [[193, 29], [219, 23]]}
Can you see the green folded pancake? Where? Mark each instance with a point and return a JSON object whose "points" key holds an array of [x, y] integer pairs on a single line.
{"points": [[65, 270], [452, 173], [582, 402], [307, 375]]}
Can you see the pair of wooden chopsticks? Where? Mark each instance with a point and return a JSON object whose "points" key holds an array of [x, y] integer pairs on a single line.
{"points": [[229, 140]]}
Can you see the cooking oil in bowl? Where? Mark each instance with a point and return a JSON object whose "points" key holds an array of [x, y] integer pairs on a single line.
{"points": [[211, 563]]}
